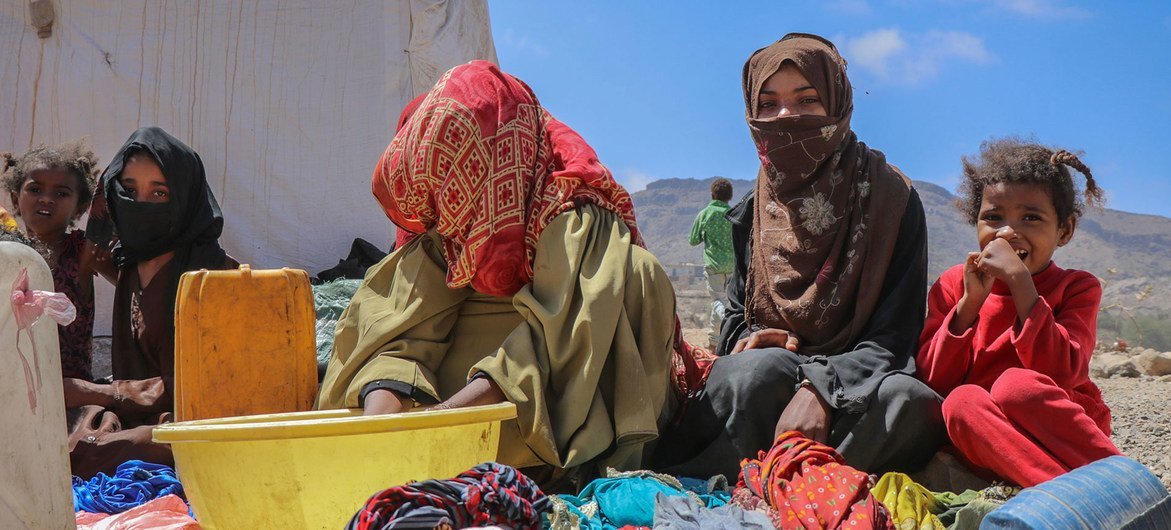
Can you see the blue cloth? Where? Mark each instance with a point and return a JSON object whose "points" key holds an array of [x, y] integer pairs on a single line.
{"points": [[714, 492], [1105, 494], [629, 499], [134, 483]]}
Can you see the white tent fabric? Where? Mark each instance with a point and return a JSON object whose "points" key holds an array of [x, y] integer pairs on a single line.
{"points": [[290, 103]]}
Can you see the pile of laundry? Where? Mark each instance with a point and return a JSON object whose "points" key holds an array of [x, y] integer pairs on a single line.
{"points": [[797, 483], [139, 495]]}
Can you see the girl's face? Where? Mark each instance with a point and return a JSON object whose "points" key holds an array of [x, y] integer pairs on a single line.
{"points": [[48, 202], [1023, 215], [788, 93], [143, 180]]}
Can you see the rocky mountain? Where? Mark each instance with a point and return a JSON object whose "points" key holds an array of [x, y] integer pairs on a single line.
{"points": [[1130, 252]]}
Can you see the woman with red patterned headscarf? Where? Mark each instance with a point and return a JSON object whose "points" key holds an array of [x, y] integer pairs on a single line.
{"points": [[525, 280]]}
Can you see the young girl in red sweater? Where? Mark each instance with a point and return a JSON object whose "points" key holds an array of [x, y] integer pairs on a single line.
{"points": [[1009, 334]]}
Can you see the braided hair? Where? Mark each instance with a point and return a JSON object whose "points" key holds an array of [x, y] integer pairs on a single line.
{"points": [[1016, 161]]}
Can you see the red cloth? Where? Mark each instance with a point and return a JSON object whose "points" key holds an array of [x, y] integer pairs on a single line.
{"points": [[164, 513], [488, 168], [809, 486], [1018, 396]]}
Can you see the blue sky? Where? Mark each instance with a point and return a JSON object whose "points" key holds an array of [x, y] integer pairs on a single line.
{"points": [[654, 86]]}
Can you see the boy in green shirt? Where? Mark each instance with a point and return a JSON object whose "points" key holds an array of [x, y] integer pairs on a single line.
{"points": [[712, 228]]}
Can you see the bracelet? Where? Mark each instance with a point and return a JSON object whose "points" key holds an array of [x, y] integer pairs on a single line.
{"points": [[804, 383]]}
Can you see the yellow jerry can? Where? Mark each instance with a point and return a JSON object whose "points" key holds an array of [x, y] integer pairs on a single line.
{"points": [[244, 343]]}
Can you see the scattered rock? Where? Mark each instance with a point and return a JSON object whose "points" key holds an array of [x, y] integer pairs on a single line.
{"points": [[1154, 363], [1123, 369], [1113, 365]]}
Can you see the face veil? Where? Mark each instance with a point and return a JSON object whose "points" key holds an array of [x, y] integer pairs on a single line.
{"points": [[821, 237]]}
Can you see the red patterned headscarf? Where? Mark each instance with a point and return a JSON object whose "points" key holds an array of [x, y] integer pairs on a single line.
{"points": [[482, 163]]}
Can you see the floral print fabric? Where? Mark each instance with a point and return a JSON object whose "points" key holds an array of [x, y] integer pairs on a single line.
{"points": [[806, 484]]}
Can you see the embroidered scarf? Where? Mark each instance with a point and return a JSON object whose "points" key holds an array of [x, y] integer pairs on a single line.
{"points": [[482, 163], [827, 207]]}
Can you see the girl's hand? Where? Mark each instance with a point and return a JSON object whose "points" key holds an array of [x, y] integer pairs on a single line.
{"points": [[768, 338], [99, 260], [1001, 261], [977, 283]]}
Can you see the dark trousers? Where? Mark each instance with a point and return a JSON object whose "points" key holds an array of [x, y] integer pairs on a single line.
{"points": [[737, 412]]}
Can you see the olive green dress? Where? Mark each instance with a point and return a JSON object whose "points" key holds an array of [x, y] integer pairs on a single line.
{"points": [[584, 350]]}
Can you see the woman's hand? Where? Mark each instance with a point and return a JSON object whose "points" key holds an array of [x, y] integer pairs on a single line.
{"points": [[768, 338], [807, 413]]}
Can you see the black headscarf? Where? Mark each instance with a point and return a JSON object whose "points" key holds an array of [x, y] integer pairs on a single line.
{"points": [[190, 224]]}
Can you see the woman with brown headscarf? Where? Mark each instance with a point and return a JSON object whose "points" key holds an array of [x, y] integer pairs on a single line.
{"points": [[827, 296]]}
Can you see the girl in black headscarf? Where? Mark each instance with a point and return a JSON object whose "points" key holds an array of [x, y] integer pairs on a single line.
{"points": [[161, 215], [158, 216]]}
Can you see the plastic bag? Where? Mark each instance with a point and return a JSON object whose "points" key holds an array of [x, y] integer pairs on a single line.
{"points": [[29, 305]]}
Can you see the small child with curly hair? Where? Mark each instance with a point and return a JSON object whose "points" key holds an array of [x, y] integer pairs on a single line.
{"points": [[51, 187], [1009, 334]]}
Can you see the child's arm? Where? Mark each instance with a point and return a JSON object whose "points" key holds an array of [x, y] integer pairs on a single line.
{"points": [[95, 260], [696, 236], [944, 357], [1058, 342]]}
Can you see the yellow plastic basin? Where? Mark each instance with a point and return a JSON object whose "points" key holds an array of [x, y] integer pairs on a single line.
{"points": [[315, 469]]}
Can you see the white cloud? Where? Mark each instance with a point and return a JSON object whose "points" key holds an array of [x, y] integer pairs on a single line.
{"points": [[634, 180], [874, 50], [912, 59], [523, 43], [1044, 9], [850, 7]]}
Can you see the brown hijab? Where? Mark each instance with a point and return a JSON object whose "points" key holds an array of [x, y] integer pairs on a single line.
{"points": [[827, 207]]}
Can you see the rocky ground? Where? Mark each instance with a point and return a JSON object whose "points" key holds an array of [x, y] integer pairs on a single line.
{"points": [[1141, 422]]}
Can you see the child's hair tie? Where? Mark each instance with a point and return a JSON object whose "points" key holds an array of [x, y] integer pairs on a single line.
{"points": [[1062, 157]]}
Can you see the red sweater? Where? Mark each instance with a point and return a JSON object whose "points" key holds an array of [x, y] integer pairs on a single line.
{"points": [[1056, 339]]}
